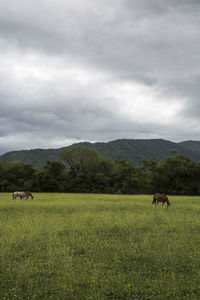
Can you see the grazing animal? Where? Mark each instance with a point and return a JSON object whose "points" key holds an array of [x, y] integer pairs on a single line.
{"points": [[28, 194], [161, 198], [22, 195]]}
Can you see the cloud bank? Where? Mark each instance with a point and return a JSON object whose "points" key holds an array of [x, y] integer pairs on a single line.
{"points": [[97, 71]]}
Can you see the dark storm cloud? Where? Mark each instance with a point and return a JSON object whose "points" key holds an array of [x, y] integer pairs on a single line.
{"points": [[98, 70]]}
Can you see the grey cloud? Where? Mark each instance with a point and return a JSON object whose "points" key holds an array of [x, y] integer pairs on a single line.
{"points": [[153, 43]]}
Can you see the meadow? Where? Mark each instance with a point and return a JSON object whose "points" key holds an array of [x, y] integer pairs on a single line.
{"points": [[91, 246]]}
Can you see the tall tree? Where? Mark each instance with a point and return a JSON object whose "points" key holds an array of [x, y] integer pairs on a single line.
{"points": [[53, 177], [81, 159], [176, 175]]}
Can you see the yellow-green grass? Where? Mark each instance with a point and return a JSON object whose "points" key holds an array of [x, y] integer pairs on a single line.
{"points": [[86, 246]]}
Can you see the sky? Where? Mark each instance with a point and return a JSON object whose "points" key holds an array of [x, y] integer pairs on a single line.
{"points": [[98, 70]]}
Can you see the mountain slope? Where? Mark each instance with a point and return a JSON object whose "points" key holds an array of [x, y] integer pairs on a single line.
{"points": [[35, 157], [132, 150], [191, 145]]}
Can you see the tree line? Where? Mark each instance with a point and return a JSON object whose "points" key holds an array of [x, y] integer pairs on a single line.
{"points": [[84, 171]]}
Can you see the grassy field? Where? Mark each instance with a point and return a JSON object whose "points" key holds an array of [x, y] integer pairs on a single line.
{"points": [[81, 246]]}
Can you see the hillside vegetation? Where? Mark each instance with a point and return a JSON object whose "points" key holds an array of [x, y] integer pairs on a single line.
{"points": [[89, 172], [129, 149]]}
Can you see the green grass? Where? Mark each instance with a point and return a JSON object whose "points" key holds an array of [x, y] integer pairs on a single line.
{"points": [[80, 246]]}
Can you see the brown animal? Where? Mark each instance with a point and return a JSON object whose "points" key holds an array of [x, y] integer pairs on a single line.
{"points": [[28, 194], [161, 198]]}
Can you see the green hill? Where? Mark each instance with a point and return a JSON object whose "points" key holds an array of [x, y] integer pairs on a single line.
{"points": [[35, 157], [130, 149], [191, 145]]}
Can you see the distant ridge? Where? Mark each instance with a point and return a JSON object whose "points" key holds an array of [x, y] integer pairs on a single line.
{"points": [[131, 149]]}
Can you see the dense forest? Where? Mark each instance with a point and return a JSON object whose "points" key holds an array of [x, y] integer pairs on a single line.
{"points": [[89, 172]]}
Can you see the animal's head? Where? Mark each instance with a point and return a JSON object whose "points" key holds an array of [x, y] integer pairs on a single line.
{"points": [[168, 204], [154, 201]]}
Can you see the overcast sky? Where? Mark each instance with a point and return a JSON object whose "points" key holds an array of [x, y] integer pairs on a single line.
{"points": [[98, 70]]}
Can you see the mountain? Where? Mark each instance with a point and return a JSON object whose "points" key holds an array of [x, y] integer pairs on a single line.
{"points": [[35, 157], [191, 145], [130, 149]]}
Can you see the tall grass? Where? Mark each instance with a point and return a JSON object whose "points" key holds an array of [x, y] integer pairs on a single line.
{"points": [[84, 246]]}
